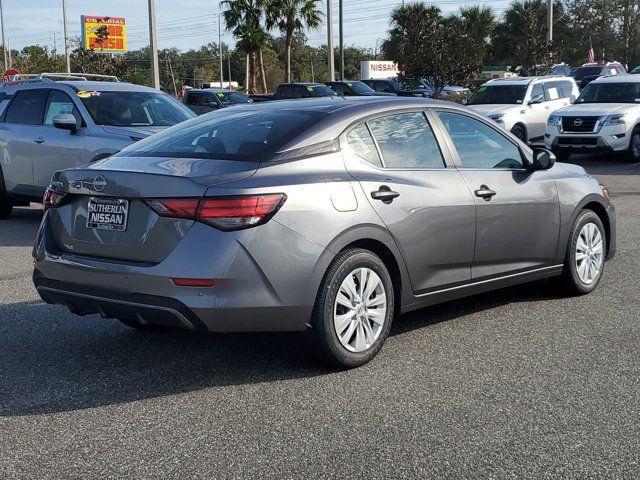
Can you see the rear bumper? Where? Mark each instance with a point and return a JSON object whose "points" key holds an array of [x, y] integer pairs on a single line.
{"points": [[252, 292]]}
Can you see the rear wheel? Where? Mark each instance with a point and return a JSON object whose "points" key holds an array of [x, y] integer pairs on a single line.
{"points": [[633, 153], [354, 309], [519, 131], [584, 260]]}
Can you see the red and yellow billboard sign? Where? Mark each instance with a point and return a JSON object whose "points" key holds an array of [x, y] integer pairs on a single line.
{"points": [[104, 34]]}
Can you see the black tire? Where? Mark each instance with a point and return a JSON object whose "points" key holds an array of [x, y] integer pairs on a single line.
{"points": [[323, 333], [6, 206], [633, 153], [570, 280], [520, 133]]}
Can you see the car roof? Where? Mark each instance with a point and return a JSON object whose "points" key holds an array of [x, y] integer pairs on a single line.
{"points": [[303, 84], [106, 86], [209, 90], [624, 78], [337, 113], [525, 80]]}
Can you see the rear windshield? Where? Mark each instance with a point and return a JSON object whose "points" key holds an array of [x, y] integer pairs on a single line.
{"points": [[134, 109], [610, 93], [319, 91], [582, 72], [360, 87], [232, 98], [244, 135], [504, 94]]}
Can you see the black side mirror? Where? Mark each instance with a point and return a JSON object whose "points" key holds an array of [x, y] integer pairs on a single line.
{"points": [[66, 121], [543, 159]]}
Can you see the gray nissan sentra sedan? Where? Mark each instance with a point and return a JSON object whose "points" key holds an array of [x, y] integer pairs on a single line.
{"points": [[331, 216]]}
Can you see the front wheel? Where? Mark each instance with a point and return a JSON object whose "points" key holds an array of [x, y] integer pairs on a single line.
{"points": [[586, 252], [354, 309], [6, 207], [633, 153], [520, 133]]}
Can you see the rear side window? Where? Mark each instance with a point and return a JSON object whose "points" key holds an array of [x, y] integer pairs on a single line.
{"points": [[244, 135], [566, 89], [193, 99], [58, 104], [361, 143], [27, 107], [552, 91], [406, 141]]}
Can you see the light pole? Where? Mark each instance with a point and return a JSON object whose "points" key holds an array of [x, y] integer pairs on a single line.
{"points": [[330, 60], [153, 43], [340, 18], [549, 30], [66, 36], [220, 48], [4, 37]]}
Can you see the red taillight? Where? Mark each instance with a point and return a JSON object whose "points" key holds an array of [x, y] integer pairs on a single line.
{"points": [[224, 213], [52, 198], [194, 282]]}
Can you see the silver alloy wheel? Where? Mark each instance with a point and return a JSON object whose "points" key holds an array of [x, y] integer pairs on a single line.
{"points": [[635, 145], [360, 310], [589, 253]]}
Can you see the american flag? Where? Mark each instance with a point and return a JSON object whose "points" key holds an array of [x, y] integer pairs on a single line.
{"points": [[591, 56]]}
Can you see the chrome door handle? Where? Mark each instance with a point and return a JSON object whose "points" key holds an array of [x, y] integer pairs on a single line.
{"points": [[39, 140], [485, 192], [385, 194]]}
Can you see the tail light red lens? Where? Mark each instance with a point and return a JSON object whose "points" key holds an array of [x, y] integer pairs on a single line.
{"points": [[52, 198], [224, 213]]}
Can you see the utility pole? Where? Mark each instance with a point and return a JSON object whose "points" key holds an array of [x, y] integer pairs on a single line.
{"points": [[330, 59], [66, 36], [340, 6], [4, 37], [153, 43], [220, 49], [549, 30]]}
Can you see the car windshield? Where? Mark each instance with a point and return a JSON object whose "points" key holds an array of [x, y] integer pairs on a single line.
{"points": [[583, 72], [320, 91], [360, 87], [610, 93], [232, 98], [244, 135], [134, 109], [503, 94]]}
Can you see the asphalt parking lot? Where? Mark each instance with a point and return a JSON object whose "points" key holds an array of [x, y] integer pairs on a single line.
{"points": [[520, 383]]}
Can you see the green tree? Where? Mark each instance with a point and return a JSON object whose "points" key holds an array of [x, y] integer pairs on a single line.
{"points": [[244, 18], [291, 17], [431, 46], [478, 23]]}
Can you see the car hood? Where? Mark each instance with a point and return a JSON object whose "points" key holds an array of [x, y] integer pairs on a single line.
{"points": [[136, 132], [596, 109], [494, 109]]}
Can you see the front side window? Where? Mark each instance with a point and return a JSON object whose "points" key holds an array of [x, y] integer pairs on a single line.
{"points": [[27, 107], [537, 90], [60, 103], [361, 143], [478, 145], [406, 141], [232, 134], [134, 109], [613, 92], [501, 94]]}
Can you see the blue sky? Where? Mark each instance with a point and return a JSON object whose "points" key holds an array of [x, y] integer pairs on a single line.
{"points": [[188, 23]]}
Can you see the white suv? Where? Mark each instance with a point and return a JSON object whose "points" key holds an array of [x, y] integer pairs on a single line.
{"points": [[604, 118], [522, 105]]}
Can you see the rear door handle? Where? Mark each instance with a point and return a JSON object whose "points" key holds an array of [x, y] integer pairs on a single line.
{"points": [[485, 192], [39, 140], [385, 194]]}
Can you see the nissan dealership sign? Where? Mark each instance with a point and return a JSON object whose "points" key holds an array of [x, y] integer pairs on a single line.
{"points": [[378, 69]]}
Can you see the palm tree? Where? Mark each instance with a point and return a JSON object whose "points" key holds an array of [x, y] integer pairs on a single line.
{"points": [[244, 17], [478, 23], [291, 16]]}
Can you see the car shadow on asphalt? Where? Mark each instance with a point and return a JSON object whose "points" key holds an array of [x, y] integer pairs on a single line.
{"points": [[55, 362], [21, 228]]}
